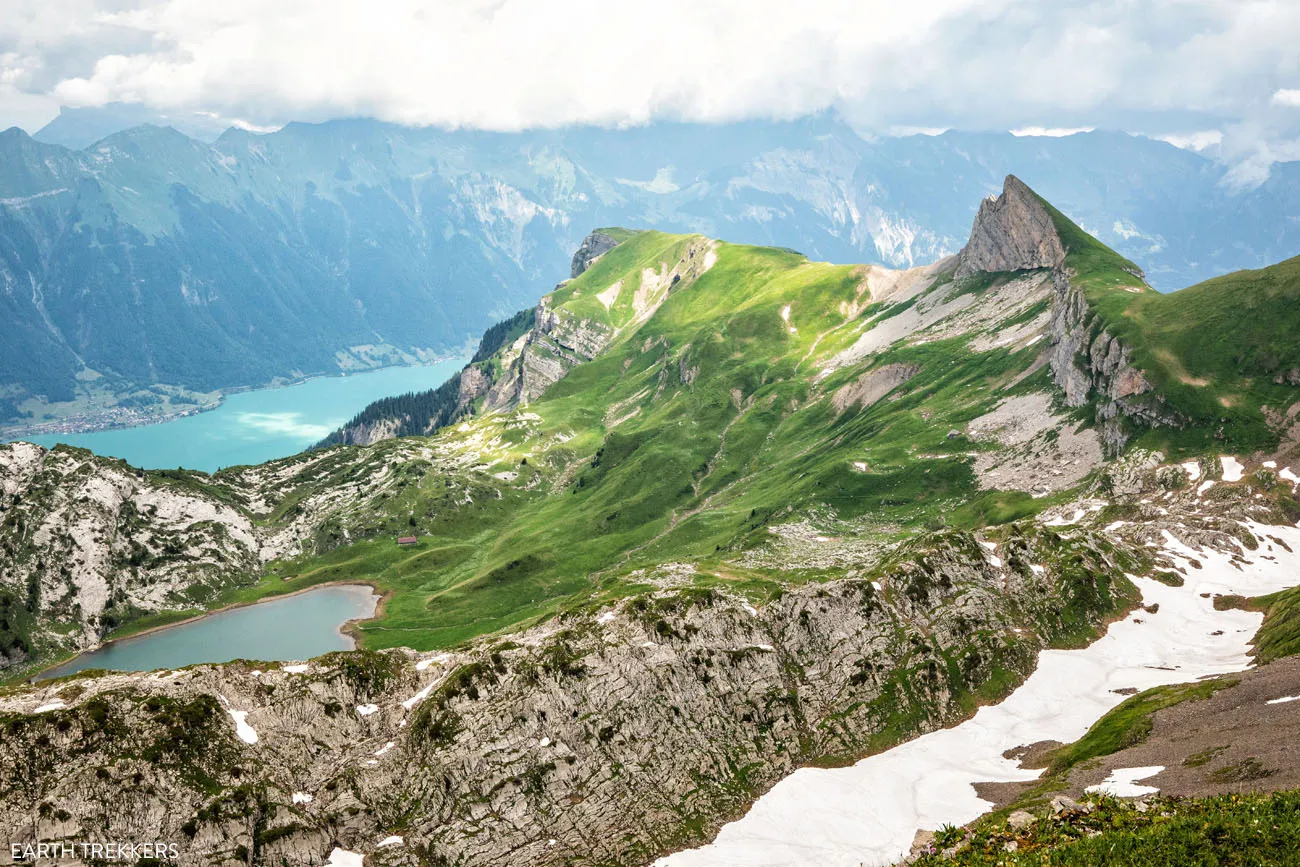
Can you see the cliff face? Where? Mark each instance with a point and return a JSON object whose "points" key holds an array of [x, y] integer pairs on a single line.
{"points": [[593, 246], [1090, 364], [1013, 232], [559, 341], [604, 738]]}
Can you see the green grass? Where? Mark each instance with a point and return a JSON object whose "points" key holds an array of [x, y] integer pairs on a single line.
{"points": [[1237, 830], [1279, 635], [1130, 723], [660, 485]]}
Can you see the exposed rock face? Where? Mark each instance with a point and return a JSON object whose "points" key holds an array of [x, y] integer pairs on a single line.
{"points": [[592, 248], [559, 341], [368, 434], [474, 383], [594, 739], [873, 385], [1090, 364], [1013, 232], [555, 345], [87, 540]]}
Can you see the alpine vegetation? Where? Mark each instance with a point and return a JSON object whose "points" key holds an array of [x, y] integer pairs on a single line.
{"points": [[715, 546]]}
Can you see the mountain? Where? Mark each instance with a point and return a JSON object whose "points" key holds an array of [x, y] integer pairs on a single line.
{"points": [[78, 128], [712, 513], [150, 267]]}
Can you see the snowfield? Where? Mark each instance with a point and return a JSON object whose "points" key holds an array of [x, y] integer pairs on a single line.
{"points": [[869, 813]]}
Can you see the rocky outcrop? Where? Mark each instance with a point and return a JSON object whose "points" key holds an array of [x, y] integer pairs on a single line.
{"points": [[1091, 365], [474, 383], [593, 246], [596, 738], [87, 542], [559, 341], [1013, 232], [556, 344]]}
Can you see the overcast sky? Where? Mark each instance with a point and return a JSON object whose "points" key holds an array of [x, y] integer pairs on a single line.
{"points": [[1197, 71]]}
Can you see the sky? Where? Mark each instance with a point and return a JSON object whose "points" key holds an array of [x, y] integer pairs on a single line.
{"points": [[1217, 74]]}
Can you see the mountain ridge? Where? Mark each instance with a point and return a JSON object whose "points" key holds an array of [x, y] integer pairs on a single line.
{"points": [[414, 240], [738, 512]]}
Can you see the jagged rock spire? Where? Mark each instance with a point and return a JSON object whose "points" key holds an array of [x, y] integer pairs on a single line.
{"points": [[1013, 232]]}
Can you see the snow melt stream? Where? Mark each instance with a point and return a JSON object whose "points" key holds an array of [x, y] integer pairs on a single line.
{"points": [[868, 814]]}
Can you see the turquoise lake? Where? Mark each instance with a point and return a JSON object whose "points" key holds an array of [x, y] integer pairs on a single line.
{"points": [[255, 631], [255, 426]]}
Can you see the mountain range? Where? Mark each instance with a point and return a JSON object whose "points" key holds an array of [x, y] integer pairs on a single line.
{"points": [[706, 514], [149, 266]]}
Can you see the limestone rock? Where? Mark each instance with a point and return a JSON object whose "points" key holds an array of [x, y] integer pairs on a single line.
{"points": [[1013, 232], [592, 732], [593, 246]]}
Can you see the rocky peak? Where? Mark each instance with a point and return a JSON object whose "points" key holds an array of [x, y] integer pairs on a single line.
{"points": [[593, 246], [1013, 232]]}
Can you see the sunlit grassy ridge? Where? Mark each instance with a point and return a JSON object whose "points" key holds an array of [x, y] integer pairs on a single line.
{"points": [[696, 429], [1213, 350], [708, 418]]}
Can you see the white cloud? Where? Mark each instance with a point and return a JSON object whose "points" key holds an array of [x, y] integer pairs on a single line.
{"points": [[1050, 132], [287, 424], [1193, 141], [1038, 68]]}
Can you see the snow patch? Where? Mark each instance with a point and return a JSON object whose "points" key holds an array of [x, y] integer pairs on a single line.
{"points": [[344, 858], [301, 798], [57, 704], [1232, 469], [1122, 782], [544, 742], [418, 697], [385, 748], [389, 841], [243, 730], [870, 812], [367, 709], [440, 659], [1193, 470], [1205, 486], [605, 617], [1283, 700], [295, 669]]}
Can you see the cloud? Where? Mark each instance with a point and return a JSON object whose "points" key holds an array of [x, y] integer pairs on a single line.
{"points": [[1200, 140], [1051, 132], [1161, 66], [286, 424]]}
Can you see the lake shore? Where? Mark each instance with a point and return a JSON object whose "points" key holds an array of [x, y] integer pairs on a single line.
{"points": [[253, 426], [110, 416], [346, 629]]}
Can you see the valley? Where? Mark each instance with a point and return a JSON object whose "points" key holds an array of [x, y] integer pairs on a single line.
{"points": [[145, 272], [708, 522]]}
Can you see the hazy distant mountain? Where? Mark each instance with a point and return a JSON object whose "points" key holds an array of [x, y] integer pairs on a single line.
{"points": [[78, 128], [151, 257]]}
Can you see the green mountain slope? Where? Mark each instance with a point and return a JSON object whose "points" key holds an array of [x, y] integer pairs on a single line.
{"points": [[706, 514], [685, 400]]}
